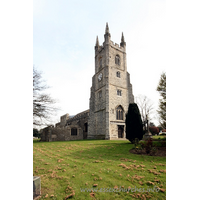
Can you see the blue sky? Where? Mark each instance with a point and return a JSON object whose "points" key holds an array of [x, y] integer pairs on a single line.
{"points": [[64, 35]]}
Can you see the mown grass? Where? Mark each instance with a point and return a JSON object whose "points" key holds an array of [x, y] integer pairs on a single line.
{"points": [[160, 137], [69, 166]]}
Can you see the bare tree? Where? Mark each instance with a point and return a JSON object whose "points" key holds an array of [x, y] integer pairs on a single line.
{"points": [[43, 104], [146, 109]]}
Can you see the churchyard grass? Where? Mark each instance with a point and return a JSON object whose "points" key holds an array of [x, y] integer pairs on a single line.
{"points": [[68, 168], [161, 137]]}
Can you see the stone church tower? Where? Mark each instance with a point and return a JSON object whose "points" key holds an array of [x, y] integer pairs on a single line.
{"points": [[111, 90]]}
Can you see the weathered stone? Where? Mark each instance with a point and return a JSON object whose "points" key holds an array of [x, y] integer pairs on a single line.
{"points": [[36, 187], [147, 135]]}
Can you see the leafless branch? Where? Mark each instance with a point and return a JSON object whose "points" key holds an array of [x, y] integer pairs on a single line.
{"points": [[145, 106], [43, 104]]}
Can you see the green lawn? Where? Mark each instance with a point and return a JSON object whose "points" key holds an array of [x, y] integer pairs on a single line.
{"points": [[161, 137], [68, 167]]}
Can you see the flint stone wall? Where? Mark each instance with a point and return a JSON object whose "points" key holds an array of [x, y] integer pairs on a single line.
{"points": [[61, 134]]}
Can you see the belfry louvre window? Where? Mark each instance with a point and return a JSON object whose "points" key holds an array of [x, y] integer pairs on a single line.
{"points": [[100, 94], [100, 63], [119, 113], [118, 74], [117, 60], [119, 92], [74, 131]]}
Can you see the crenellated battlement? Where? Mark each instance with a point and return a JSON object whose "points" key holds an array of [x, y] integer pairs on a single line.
{"points": [[116, 45], [108, 41], [100, 48]]}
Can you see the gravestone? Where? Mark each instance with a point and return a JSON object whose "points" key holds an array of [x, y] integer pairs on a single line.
{"points": [[36, 187], [147, 135]]}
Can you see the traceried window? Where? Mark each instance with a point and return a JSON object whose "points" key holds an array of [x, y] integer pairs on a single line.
{"points": [[117, 60], [74, 131], [118, 74], [119, 113], [119, 92]]}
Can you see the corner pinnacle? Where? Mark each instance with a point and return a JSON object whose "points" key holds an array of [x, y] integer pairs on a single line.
{"points": [[107, 28], [97, 42], [122, 39]]}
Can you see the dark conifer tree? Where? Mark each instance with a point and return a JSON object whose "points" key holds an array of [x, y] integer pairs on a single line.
{"points": [[134, 127]]}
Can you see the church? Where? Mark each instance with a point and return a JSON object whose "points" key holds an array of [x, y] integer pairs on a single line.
{"points": [[110, 96]]}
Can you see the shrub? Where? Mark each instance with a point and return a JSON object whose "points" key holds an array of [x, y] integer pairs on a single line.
{"points": [[163, 143], [142, 144], [134, 127], [36, 133], [153, 151], [157, 144], [148, 145], [136, 142], [154, 130]]}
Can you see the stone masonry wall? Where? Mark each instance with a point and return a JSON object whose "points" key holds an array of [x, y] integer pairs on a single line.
{"points": [[61, 134]]}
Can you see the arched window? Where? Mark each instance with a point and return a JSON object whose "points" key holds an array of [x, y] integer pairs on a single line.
{"points": [[118, 74], [119, 113], [117, 60]]}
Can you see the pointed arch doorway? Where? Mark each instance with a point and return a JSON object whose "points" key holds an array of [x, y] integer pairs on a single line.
{"points": [[120, 131]]}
